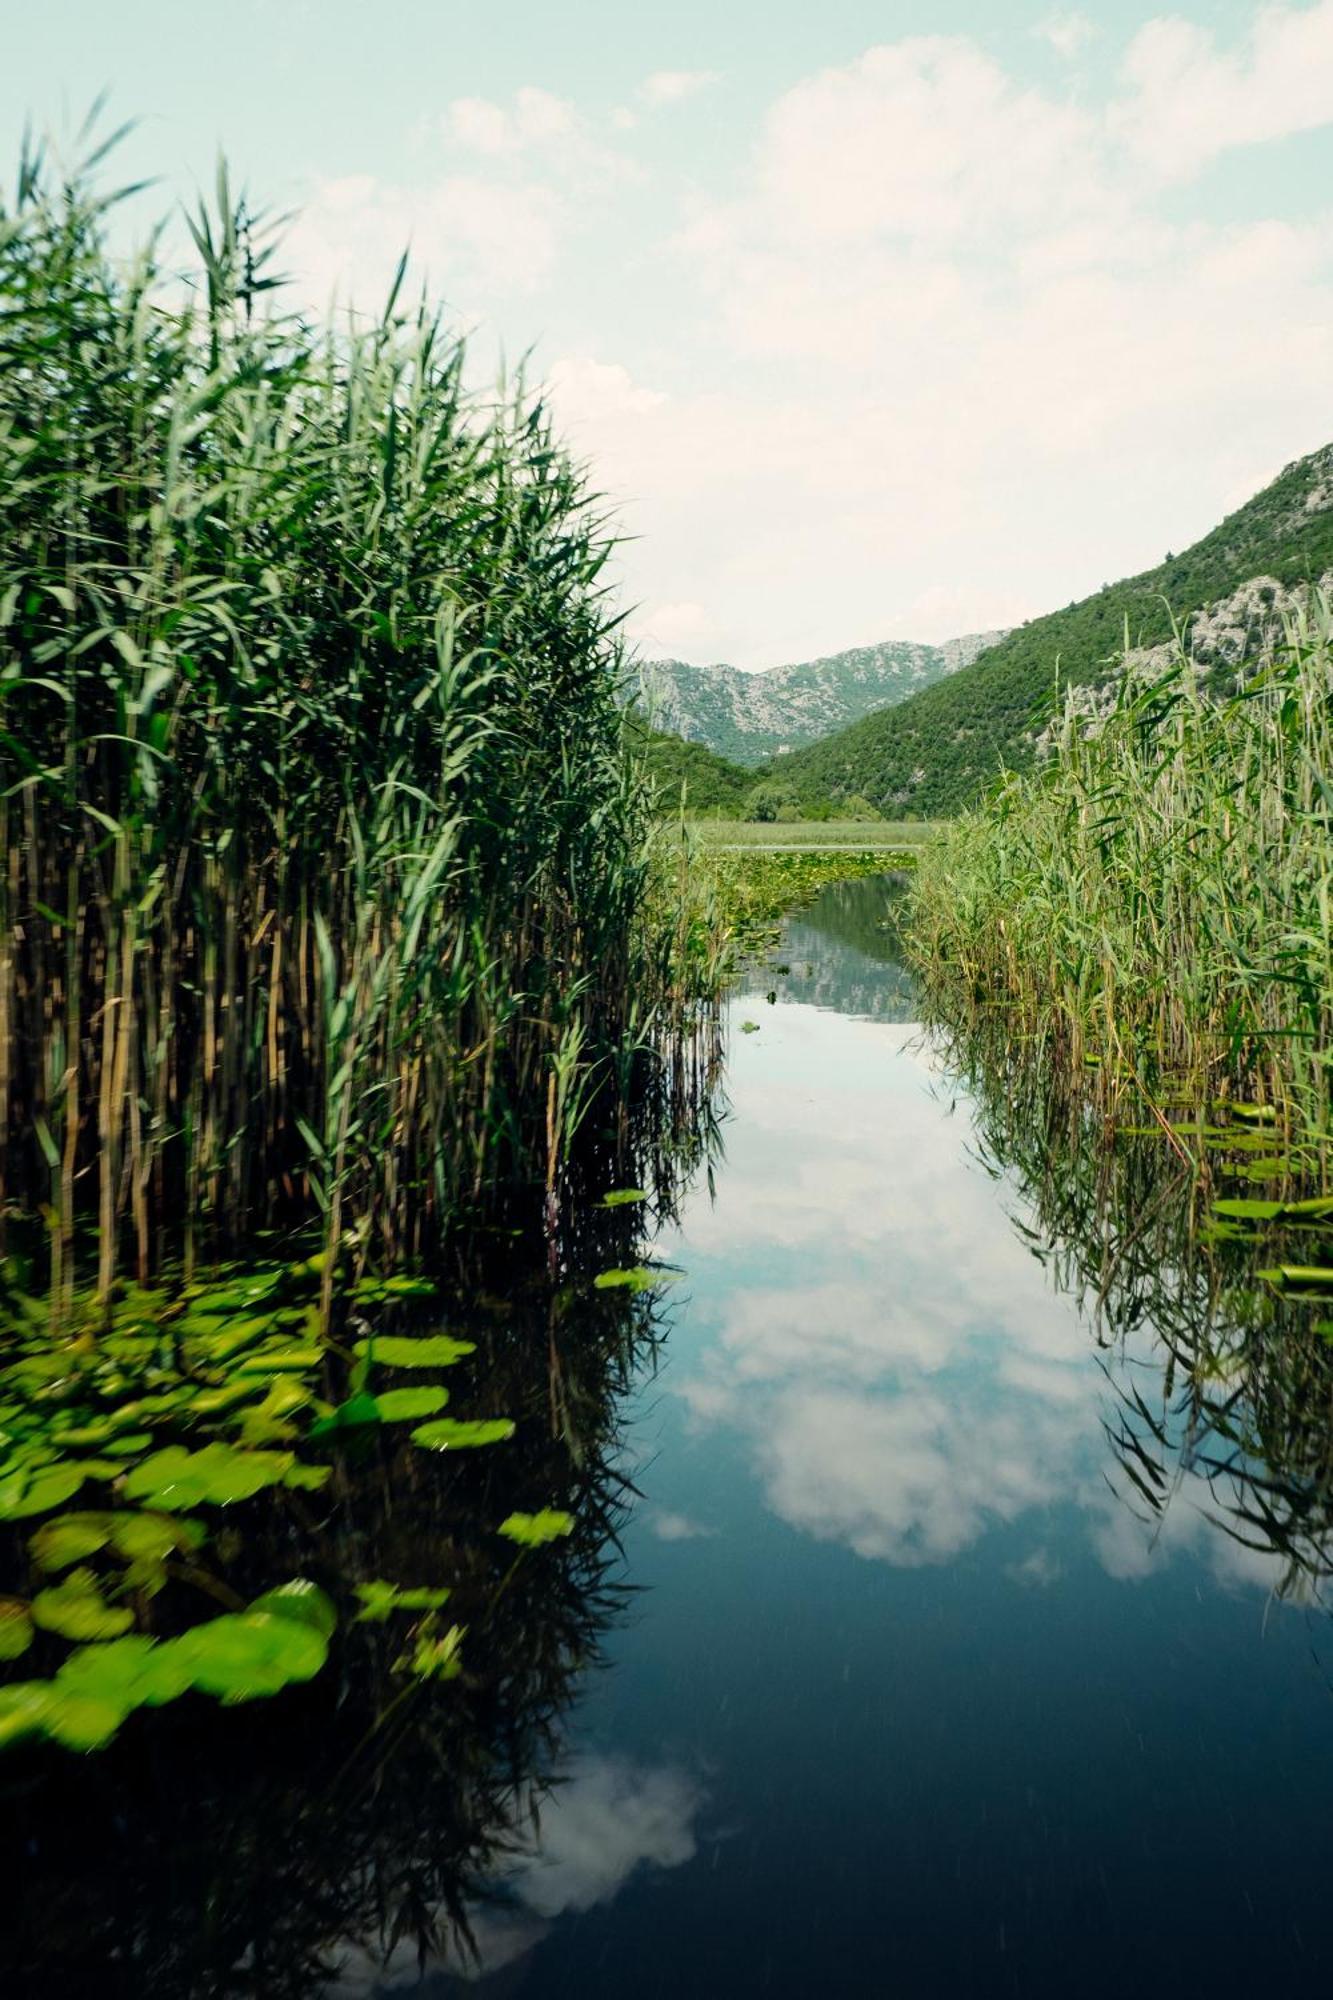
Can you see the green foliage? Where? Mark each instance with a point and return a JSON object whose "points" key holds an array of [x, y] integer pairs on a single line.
{"points": [[379, 1600], [533, 1531], [450, 1434], [756, 889], [1154, 905], [219, 1475], [76, 1609], [638, 1278], [936, 751], [315, 772], [15, 1628], [434, 1350], [688, 777]]}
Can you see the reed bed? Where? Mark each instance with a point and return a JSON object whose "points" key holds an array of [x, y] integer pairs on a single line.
{"points": [[327, 884], [1154, 903]]}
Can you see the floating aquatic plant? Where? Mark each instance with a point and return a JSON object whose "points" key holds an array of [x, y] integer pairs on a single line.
{"points": [[533, 1531]]}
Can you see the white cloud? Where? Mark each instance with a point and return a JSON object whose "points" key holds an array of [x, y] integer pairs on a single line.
{"points": [[469, 236], [1067, 34], [607, 1819], [971, 328], [673, 631], [909, 1477], [519, 182], [671, 86], [534, 119], [900, 1404], [1186, 100], [1037, 1571], [947, 347], [669, 1527]]}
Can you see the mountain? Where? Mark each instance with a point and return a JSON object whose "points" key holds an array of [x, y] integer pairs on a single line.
{"points": [[937, 750], [749, 717]]}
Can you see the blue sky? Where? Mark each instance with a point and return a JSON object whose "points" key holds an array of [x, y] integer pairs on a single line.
{"points": [[876, 320]]}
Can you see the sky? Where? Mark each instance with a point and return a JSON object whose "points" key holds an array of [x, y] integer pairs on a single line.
{"points": [[873, 319]]}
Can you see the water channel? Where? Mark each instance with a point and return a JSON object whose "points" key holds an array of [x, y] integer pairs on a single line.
{"points": [[959, 1630], [915, 1695]]}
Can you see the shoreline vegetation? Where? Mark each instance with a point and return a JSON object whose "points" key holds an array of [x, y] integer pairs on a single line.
{"points": [[329, 891], [348, 970], [1150, 911]]}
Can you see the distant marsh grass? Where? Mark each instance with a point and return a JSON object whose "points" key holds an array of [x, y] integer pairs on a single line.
{"points": [[849, 833]]}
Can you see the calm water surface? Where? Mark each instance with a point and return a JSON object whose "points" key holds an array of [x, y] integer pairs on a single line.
{"points": [[910, 1699]]}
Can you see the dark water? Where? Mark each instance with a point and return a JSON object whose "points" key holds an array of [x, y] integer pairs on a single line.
{"points": [[961, 1639], [918, 1695]]}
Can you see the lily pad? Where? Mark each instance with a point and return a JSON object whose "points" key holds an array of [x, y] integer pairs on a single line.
{"points": [[24, 1707], [77, 1610], [133, 1672], [37, 1489], [435, 1350], [533, 1531], [218, 1476], [357, 1413], [372, 1289], [41, 1708], [246, 1655], [397, 1406], [436, 1656], [379, 1599], [303, 1601], [307, 1478], [641, 1278], [146, 1537], [15, 1628], [281, 1361], [69, 1539], [449, 1434]]}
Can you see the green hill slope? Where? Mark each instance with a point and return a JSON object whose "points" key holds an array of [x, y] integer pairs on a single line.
{"points": [[935, 751], [710, 784]]}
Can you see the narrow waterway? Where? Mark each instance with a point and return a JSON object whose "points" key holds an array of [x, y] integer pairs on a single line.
{"points": [[917, 1693]]}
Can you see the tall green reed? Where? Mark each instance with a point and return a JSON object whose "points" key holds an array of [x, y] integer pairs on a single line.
{"points": [[1157, 898], [327, 881]]}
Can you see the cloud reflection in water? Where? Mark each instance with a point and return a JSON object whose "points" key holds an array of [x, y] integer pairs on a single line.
{"points": [[902, 1371]]}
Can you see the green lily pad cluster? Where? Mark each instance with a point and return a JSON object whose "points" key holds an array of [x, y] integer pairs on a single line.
{"points": [[126, 1444], [281, 1638]]}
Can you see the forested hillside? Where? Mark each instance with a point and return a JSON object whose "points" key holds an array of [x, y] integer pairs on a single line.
{"points": [[688, 772], [937, 750]]}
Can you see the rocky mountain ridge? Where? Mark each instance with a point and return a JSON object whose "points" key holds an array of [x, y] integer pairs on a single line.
{"points": [[750, 717]]}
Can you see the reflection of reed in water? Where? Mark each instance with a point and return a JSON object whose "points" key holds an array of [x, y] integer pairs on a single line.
{"points": [[255, 1850], [1221, 1387]]}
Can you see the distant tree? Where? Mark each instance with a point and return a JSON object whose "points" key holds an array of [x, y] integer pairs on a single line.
{"points": [[766, 801]]}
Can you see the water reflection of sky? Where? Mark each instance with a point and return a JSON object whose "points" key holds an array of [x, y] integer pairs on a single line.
{"points": [[911, 1702]]}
